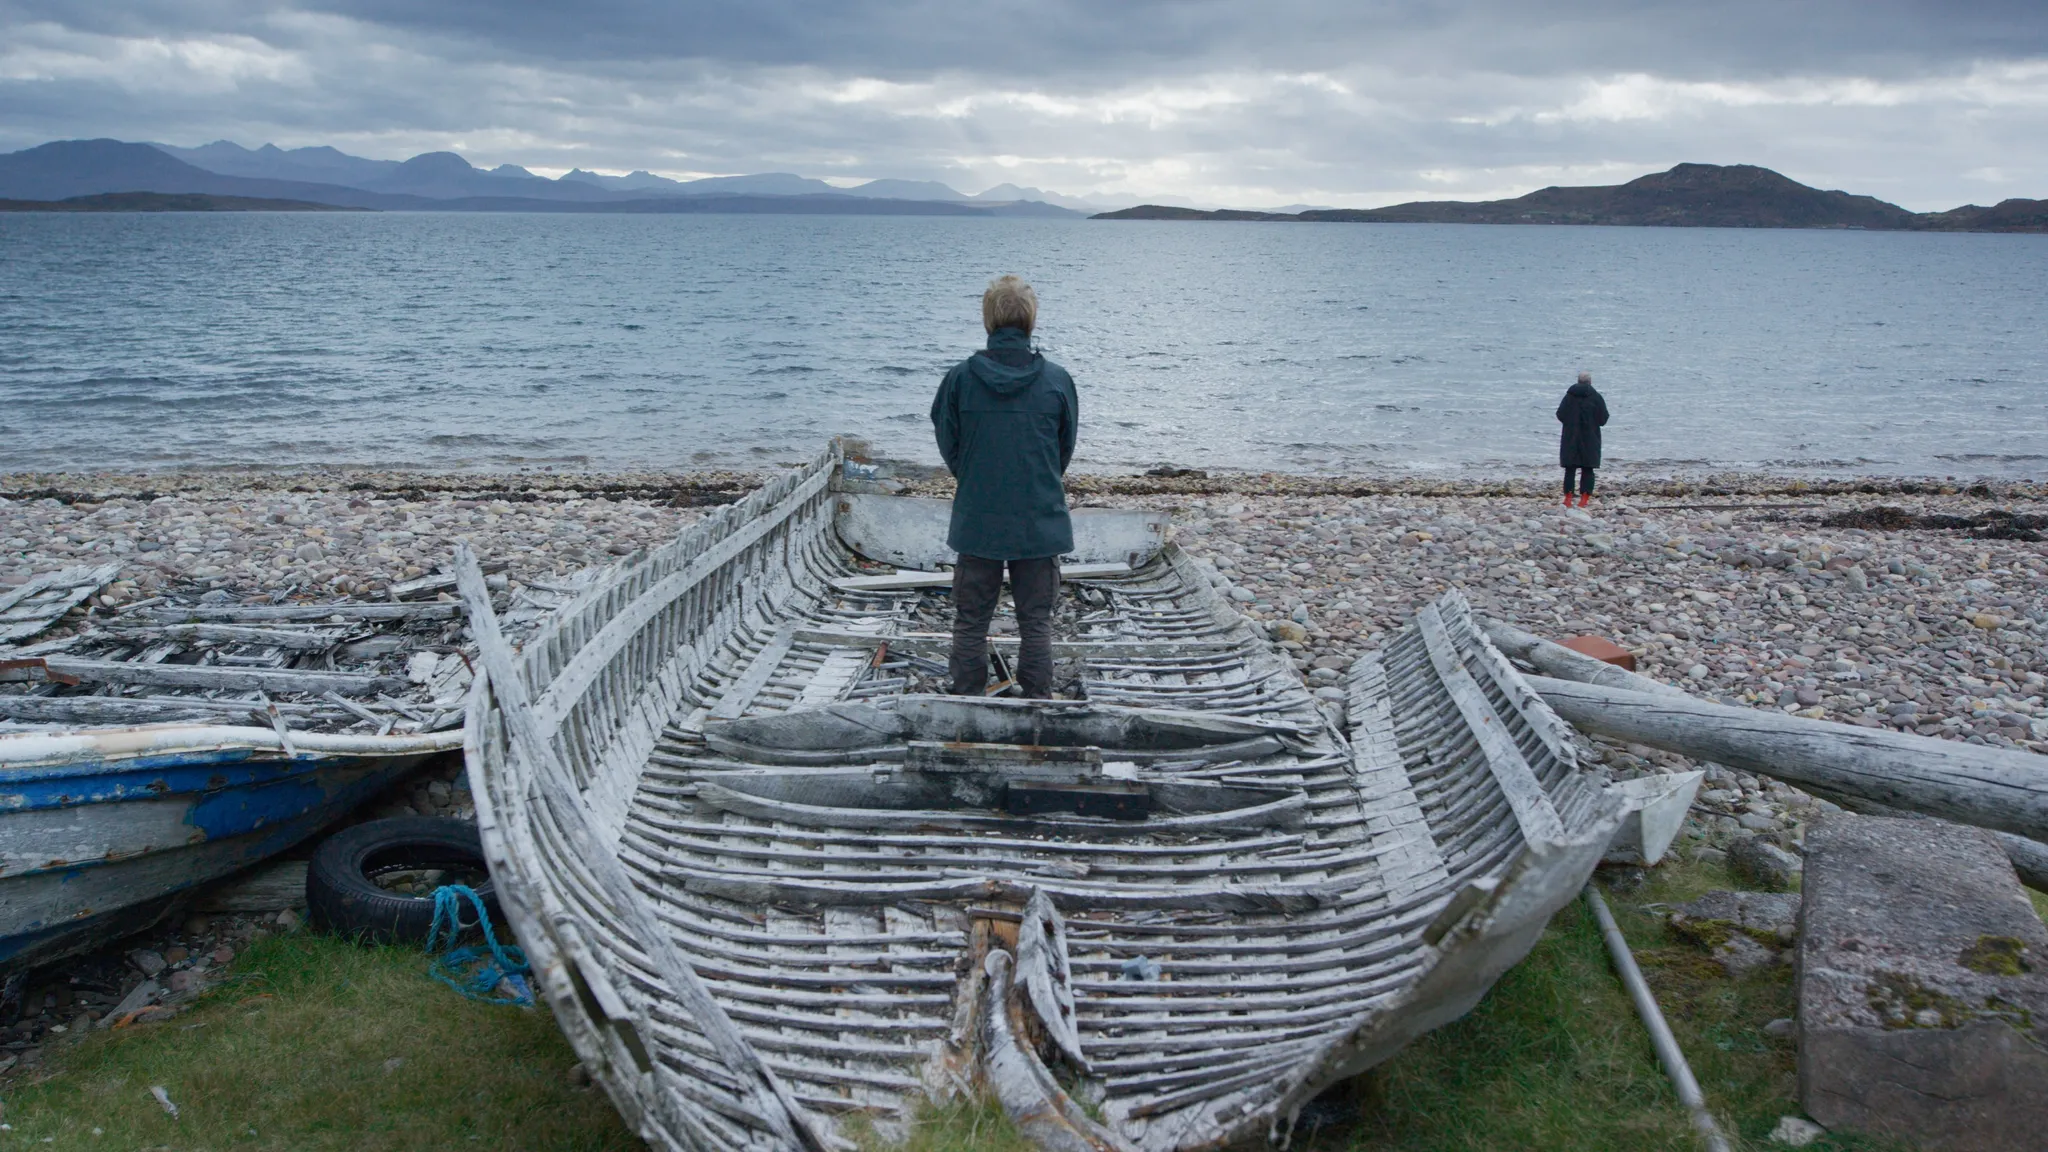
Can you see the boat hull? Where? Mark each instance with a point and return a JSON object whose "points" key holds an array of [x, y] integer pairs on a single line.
{"points": [[101, 833], [768, 882]]}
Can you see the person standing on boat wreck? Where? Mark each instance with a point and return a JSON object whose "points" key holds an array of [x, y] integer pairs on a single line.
{"points": [[1006, 419]]}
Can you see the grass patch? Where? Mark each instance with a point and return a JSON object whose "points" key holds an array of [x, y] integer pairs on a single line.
{"points": [[291, 1053]]}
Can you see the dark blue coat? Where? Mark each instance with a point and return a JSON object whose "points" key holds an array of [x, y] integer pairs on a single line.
{"points": [[1582, 412], [1006, 419]]}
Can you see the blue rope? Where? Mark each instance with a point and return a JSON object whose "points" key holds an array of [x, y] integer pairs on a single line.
{"points": [[494, 964]]}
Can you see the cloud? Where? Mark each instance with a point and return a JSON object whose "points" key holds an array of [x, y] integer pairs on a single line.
{"points": [[1196, 101]]}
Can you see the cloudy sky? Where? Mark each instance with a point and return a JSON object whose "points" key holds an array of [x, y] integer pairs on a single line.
{"points": [[1243, 102]]}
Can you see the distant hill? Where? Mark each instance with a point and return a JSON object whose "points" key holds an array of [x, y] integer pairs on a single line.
{"points": [[439, 182], [1687, 196], [320, 165], [167, 202], [65, 168]]}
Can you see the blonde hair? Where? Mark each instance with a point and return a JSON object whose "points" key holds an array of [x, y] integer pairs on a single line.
{"points": [[1009, 303]]}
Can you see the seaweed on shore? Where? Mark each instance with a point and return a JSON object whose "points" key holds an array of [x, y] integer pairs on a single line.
{"points": [[1991, 524]]}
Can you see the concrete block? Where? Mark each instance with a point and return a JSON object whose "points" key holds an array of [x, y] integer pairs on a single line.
{"points": [[1923, 987]]}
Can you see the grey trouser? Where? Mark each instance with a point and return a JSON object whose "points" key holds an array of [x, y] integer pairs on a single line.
{"points": [[977, 585]]}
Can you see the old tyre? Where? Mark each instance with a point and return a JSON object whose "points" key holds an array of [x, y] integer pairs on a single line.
{"points": [[375, 881]]}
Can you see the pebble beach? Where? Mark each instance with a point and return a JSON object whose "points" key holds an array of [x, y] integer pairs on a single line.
{"points": [[1752, 590], [1915, 606]]}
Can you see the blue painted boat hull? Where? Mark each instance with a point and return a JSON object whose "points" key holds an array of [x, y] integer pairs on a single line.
{"points": [[95, 846]]}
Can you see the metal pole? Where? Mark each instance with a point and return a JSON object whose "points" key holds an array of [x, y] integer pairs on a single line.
{"points": [[1660, 1033]]}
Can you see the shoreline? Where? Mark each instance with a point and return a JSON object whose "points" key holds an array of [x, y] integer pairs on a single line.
{"points": [[1756, 590], [703, 484]]}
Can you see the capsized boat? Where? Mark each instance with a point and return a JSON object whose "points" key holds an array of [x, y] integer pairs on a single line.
{"points": [[772, 882]]}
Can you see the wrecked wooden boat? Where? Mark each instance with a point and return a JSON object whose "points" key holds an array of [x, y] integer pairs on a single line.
{"points": [[774, 886], [162, 745]]}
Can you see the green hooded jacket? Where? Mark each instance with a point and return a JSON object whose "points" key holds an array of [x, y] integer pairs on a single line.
{"points": [[1006, 420]]}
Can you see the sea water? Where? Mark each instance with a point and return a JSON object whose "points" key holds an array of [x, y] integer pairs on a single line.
{"points": [[491, 341]]}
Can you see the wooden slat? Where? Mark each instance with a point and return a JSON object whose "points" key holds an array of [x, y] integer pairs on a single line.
{"points": [[742, 691], [1516, 779], [213, 676], [910, 578]]}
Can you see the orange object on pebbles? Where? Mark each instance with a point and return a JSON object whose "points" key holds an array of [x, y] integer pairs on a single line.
{"points": [[1604, 650]]}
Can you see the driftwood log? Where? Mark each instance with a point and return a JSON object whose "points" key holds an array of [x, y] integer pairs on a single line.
{"points": [[1862, 769], [1987, 787]]}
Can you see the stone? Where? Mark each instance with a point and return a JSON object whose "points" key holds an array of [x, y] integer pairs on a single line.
{"points": [[147, 962], [186, 982], [1759, 862], [1740, 955], [1923, 987], [1783, 1028], [1796, 1131], [308, 552], [1742, 930]]}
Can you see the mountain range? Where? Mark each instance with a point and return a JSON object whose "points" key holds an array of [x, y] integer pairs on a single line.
{"points": [[444, 181], [1687, 196]]}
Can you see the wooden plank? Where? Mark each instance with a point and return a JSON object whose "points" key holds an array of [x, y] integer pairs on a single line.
{"points": [[310, 613], [140, 709], [912, 578], [1996, 788], [24, 615], [940, 643], [233, 679], [437, 583], [1517, 780], [1390, 812], [741, 692], [294, 639]]}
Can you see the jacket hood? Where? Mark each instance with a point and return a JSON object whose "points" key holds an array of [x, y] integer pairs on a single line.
{"points": [[1580, 388], [1008, 365]]}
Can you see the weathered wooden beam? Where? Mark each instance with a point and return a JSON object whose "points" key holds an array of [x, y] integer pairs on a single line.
{"points": [[1989, 787], [1553, 659], [941, 643], [311, 613], [294, 639], [1511, 771], [439, 582], [141, 709], [22, 615], [899, 581], [214, 676]]}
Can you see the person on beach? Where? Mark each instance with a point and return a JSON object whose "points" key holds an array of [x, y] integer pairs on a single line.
{"points": [[1582, 412], [1006, 420]]}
